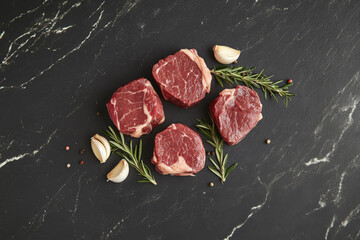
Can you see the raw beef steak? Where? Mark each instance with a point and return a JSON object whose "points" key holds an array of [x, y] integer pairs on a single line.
{"points": [[135, 108], [184, 78], [178, 151], [236, 112]]}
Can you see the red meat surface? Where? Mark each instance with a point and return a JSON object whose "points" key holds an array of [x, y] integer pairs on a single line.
{"points": [[235, 112], [183, 78], [135, 108], [178, 151]]}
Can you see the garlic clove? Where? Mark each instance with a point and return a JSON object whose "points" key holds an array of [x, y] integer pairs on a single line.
{"points": [[226, 55], [120, 172], [99, 150], [104, 142], [101, 147]]}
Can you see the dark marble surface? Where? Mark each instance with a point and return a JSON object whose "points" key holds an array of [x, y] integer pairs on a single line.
{"points": [[62, 60]]}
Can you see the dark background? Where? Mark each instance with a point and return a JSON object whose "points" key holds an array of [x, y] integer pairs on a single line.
{"points": [[62, 60]]}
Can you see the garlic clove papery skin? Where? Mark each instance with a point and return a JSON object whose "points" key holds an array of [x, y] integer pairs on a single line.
{"points": [[98, 150], [226, 55], [105, 143], [119, 173]]}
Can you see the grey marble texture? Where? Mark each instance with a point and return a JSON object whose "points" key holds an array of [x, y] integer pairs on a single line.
{"points": [[60, 62]]}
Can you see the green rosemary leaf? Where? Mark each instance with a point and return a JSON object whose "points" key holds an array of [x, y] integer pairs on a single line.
{"points": [[230, 169], [140, 149], [135, 151], [218, 156], [131, 146], [211, 143], [219, 81], [225, 159], [117, 145], [215, 171], [143, 181], [213, 162]]}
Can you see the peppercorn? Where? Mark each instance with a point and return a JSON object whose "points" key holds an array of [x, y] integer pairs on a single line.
{"points": [[82, 151], [98, 113], [235, 62], [67, 148], [68, 165], [208, 153], [211, 184], [213, 153], [243, 74], [289, 81], [267, 141], [81, 162]]}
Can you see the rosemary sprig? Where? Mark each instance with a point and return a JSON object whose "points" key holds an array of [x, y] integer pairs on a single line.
{"points": [[130, 154], [219, 168], [231, 75]]}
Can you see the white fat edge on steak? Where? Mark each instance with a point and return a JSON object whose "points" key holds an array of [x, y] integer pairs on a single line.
{"points": [[154, 158], [114, 102], [178, 168], [232, 93], [206, 75], [138, 129], [227, 91]]}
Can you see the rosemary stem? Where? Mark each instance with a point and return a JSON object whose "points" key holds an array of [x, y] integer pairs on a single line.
{"points": [[231, 75]]}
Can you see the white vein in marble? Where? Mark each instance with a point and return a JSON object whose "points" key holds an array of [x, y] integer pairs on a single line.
{"points": [[45, 26], [330, 227], [33, 153], [337, 109], [256, 208]]}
